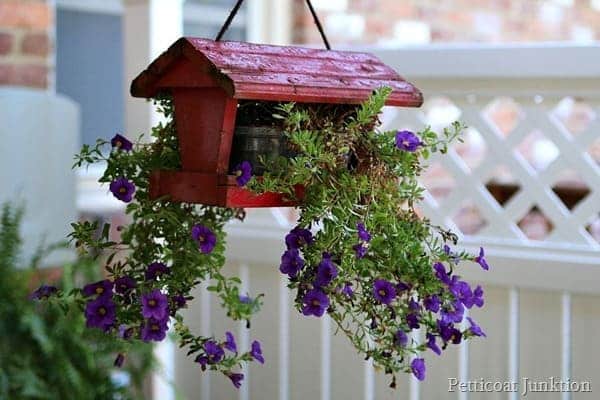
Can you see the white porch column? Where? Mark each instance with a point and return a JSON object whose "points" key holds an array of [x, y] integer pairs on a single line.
{"points": [[149, 28], [269, 21]]}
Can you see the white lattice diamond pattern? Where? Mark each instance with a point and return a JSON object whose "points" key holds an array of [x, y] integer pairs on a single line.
{"points": [[569, 227]]}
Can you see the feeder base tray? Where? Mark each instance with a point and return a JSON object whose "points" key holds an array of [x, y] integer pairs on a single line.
{"points": [[213, 190]]}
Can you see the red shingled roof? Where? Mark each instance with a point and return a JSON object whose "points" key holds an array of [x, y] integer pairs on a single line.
{"points": [[276, 73]]}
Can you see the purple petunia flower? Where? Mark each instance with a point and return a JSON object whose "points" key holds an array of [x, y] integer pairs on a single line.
{"points": [[326, 272], [155, 305], [432, 303], [462, 292], [440, 273], [121, 142], [256, 352], [298, 237], [363, 234], [214, 352], [448, 332], [119, 360], [125, 332], [155, 270], [100, 313], [243, 173], [347, 290], [407, 141], [245, 299], [413, 320], [154, 330], [102, 288], [291, 263], [179, 301], [455, 314], [478, 296], [361, 250], [401, 338], [418, 368], [43, 292], [236, 379], [315, 303], [432, 344], [384, 291], [230, 342], [205, 238], [401, 286], [480, 259], [414, 305], [475, 329], [125, 284], [123, 189]]}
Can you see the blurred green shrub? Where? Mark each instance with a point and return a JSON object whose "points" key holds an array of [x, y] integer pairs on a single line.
{"points": [[45, 354]]}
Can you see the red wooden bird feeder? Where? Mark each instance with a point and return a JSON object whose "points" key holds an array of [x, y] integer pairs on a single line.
{"points": [[208, 80]]}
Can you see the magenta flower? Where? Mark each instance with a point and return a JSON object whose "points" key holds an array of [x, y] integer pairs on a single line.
{"points": [[417, 367], [155, 305], [123, 189], [480, 259], [236, 379], [326, 272], [256, 352], [154, 330], [102, 288], [230, 342], [156, 270], [315, 303], [121, 143], [125, 284], [243, 173], [205, 238], [384, 291], [100, 313], [407, 141], [291, 263], [43, 292]]}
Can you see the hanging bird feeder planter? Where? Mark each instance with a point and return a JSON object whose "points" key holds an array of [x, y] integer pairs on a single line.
{"points": [[217, 87]]}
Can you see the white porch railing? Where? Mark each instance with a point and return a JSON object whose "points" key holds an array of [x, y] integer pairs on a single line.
{"points": [[531, 110]]}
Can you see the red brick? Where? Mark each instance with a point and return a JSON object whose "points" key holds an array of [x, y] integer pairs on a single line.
{"points": [[6, 42], [24, 14], [36, 44], [28, 75]]}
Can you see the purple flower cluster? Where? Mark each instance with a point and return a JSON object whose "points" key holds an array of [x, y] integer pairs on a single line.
{"points": [[205, 238], [243, 173], [384, 291], [214, 353], [100, 312], [408, 141], [120, 142], [315, 302], [43, 292], [155, 310], [123, 189], [364, 237]]}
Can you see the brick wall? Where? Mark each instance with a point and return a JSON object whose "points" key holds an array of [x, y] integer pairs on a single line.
{"points": [[396, 22], [25, 44]]}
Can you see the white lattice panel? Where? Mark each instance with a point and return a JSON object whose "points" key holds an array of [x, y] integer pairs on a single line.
{"points": [[557, 150]]}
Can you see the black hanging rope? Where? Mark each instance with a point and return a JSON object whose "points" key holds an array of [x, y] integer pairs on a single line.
{"points": [[318, 23], [237, 6]]}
